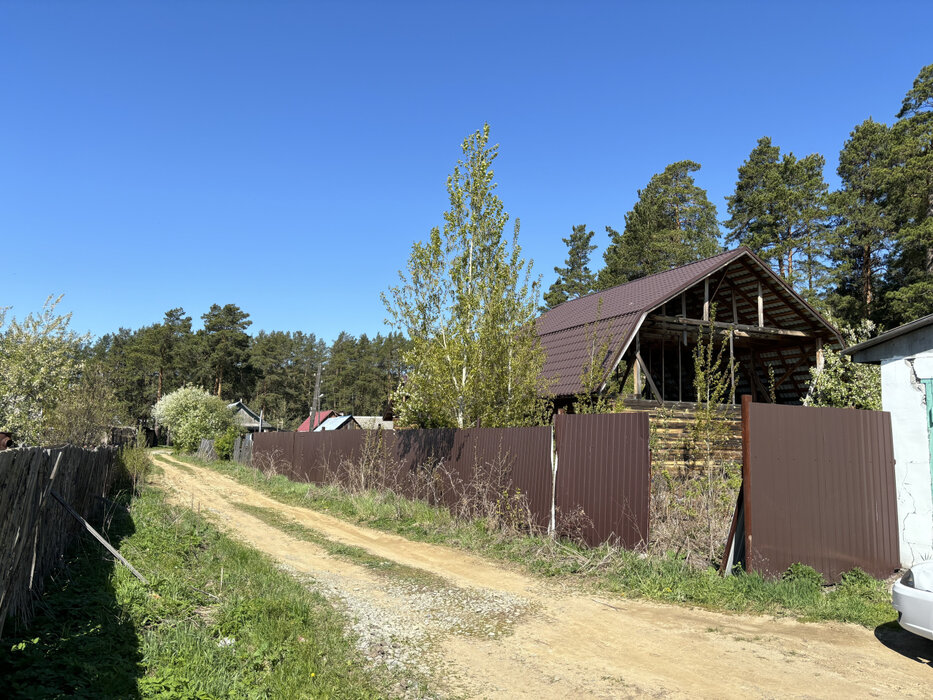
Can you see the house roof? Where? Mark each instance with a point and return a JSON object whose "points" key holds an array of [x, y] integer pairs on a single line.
{"points": [[334, 423], [858, 351], [567, 331], [320, 418], [245, 415]]}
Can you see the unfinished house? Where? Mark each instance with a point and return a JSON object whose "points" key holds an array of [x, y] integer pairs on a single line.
{"points": [[638, 339]]}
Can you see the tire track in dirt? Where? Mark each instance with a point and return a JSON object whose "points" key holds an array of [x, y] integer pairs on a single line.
{"points": [[568, 644]]}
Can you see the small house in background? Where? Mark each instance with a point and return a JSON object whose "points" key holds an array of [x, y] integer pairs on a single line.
{"points": [[338, 423], [308, 425], [906, 358], [249, 419], [374, 423]]}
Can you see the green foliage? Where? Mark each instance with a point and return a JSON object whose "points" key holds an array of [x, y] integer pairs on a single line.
{"points": [[226, 348], [803, 575], [779, 211], [843, 383], [467, 303], [910, 274], [83, 415], [574, 280], [40, 359], [223, 443], [672, 223], [191, 413], [861, 238], [135, 463]]}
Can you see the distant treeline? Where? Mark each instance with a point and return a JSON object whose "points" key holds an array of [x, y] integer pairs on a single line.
{"points": [[272, 371]]}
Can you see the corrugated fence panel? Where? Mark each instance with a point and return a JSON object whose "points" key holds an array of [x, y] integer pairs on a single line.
{"points": [[820, 490], [275, 451], [604, 468], [603, 460]]}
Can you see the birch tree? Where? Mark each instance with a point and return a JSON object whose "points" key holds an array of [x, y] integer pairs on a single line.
{"points": [[467, 303]]}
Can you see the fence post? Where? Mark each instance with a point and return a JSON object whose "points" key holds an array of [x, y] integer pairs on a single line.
{"points": [[552, 524], [746, 478]]}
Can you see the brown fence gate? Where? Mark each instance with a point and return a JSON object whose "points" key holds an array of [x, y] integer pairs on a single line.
{"points": [[818, 488]]}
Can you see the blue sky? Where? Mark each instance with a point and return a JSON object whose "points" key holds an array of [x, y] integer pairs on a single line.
{"points": [[283, 156]]}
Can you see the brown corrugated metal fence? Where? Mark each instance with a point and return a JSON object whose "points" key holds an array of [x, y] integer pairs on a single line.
{"points": [[603, 467], [819, 489]]}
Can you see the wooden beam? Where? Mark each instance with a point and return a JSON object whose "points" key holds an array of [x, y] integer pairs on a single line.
{"points": [[789, 372], [777, 294], [651, 384], [637, 387], [761, 307], [751, 304], [706, 299], [98, 537], [741, 327], [820, 360]]}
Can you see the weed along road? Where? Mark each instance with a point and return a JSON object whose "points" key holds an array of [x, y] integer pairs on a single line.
{"points": [[473, 628]]}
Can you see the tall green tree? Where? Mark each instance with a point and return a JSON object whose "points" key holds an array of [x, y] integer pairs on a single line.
{"points": [[672, 223], [864, 225], [779, 210], [171, 339], [575, 279], [467, 305], [910, 279], [225, 349]]}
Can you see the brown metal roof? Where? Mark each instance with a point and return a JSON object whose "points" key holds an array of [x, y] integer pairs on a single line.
{"points": [[605, 322]]}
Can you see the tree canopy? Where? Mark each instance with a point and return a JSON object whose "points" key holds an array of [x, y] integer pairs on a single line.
{"points": [[467, 303], [574, 279], [672, 223]]}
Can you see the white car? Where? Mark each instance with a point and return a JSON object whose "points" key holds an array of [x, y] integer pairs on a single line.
{"points": [[912, 597]]}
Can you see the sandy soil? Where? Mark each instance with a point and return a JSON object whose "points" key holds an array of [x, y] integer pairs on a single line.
{"points": [[545, 642]]}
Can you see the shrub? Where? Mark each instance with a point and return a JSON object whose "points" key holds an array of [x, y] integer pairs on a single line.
{"points": [[805, 576], [223, 443], [191, 414]]}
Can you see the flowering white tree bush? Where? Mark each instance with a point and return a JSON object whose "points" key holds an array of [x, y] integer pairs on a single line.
{"points": [[844, 383], [40, 358], [190, 413]]}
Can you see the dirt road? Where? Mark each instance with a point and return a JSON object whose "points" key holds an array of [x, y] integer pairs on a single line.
{"points": [[481, 630]]}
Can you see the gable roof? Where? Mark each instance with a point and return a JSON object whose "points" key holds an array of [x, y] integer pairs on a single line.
{"points": [[567, 331], [245, 415], [306, 426], [335, 423]]}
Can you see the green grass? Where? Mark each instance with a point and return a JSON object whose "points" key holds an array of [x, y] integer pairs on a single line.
{"points": [[217, 620], [858, 598]]}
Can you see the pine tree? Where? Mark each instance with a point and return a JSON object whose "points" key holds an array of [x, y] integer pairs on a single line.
{"points": [[910, 279], [672, 223], [779, 211], [225, 348], [574, 280], [863, 229]]}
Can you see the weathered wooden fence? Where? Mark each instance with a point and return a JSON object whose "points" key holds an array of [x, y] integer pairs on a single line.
{"points": [[243, 449], [593, 471], [36, 531]]}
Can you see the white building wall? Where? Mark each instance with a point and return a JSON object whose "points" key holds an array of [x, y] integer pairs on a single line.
{"points": [[904, 395]]}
